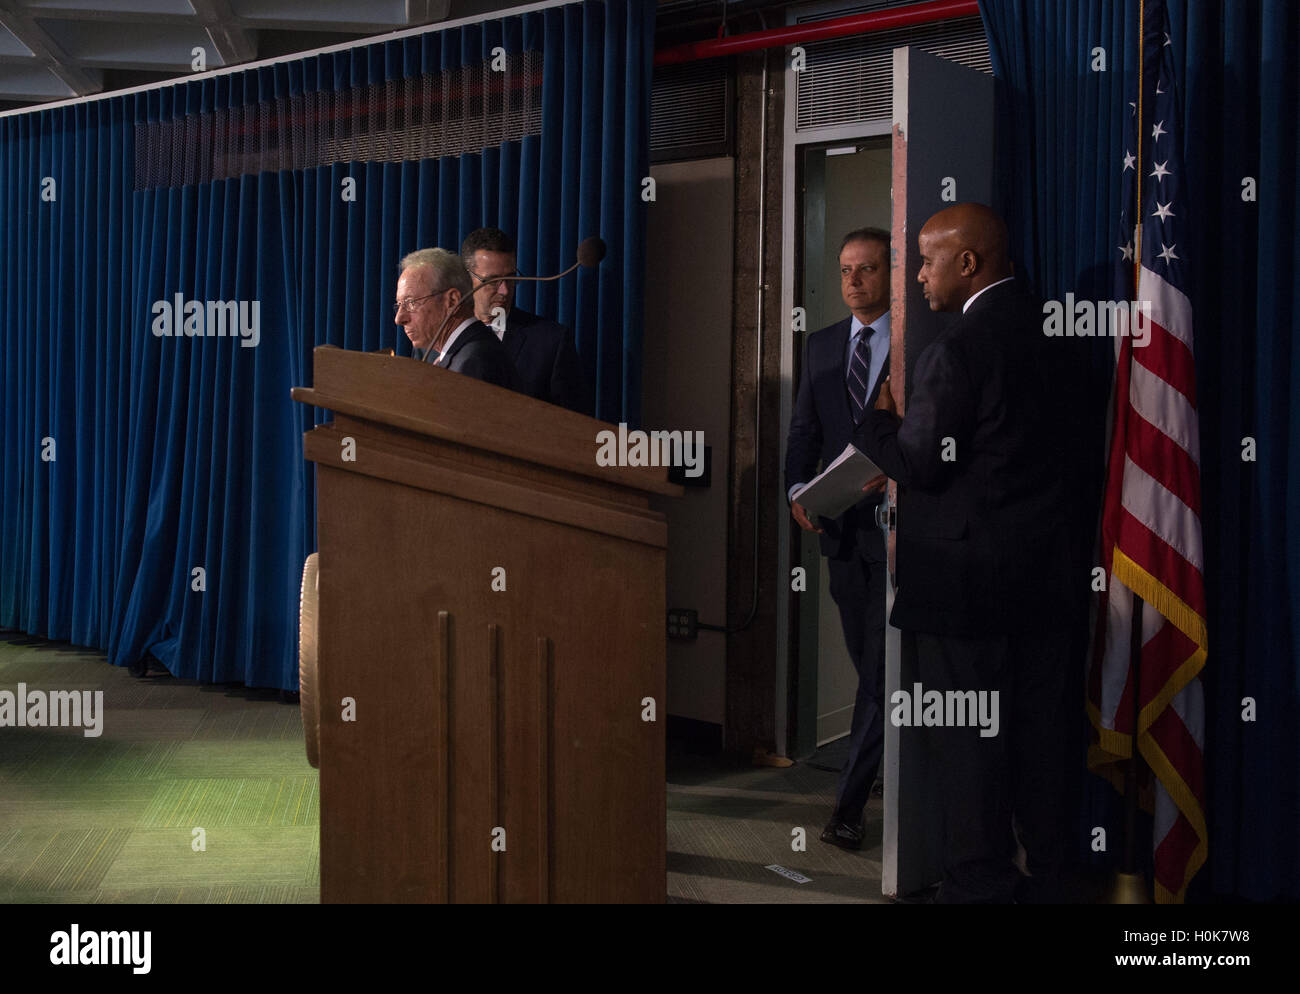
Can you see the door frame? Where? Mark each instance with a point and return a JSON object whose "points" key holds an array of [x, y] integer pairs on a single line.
{"points": [[803, 610], [788, 636]]}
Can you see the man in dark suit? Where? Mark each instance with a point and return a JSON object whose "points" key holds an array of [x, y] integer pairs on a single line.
{"points": [[843, 365], [983, 563], [542, 351], [435, 309]]}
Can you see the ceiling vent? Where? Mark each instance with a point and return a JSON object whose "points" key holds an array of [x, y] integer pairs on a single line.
{"points": [[850, 80], [690, 110]]}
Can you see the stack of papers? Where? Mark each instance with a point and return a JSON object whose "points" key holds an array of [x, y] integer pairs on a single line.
{"points": [[839, 486]]}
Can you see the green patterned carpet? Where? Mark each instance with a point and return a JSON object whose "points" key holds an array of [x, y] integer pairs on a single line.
{"points": [[112, 819], [109, 819]]}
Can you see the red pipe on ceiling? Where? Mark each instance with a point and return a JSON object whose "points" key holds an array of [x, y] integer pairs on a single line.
{"points": [[854, 24]]}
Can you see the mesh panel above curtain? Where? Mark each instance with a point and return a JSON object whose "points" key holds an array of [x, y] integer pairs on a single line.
{"points": [[169, 259]]}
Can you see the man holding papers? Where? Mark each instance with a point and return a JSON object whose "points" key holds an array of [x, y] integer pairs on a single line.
{"points": [[843, 367]]}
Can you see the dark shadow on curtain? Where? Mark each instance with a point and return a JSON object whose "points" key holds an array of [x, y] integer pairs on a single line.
{"points": [[1060, 142]]}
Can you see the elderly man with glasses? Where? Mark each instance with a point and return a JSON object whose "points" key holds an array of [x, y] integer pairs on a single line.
{"points": [[435, 307]]}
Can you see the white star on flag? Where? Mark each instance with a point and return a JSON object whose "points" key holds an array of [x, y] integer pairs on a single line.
{"points": [[1168, 253], [1161, 172], [1162, 210], [1158, 90], [1128, 160], [1158, 130], [1127, 252], [1133, 104], [1168, 40]]}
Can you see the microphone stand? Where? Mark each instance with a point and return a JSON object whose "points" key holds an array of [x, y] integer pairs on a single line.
{"points": [[590, 252]]}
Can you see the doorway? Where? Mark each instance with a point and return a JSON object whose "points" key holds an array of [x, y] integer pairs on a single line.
{"points": [[841, 185]]}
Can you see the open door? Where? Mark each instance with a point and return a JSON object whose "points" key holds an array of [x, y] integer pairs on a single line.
{"points": [[942, 154]]}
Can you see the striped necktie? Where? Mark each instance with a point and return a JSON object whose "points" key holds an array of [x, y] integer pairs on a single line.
{"points": [[859, 370]]}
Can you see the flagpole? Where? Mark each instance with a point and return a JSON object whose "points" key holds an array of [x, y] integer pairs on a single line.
{"points": [[1129, 886], [1137, 226]]}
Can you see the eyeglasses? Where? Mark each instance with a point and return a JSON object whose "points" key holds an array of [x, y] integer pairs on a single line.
{"points": [[409, 303], [494, 279]]}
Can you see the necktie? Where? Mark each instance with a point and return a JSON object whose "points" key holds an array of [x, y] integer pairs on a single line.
{"points": [[859, 370]]}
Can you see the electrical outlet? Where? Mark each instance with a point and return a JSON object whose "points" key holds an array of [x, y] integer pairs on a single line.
{"points": [[683, 623]]}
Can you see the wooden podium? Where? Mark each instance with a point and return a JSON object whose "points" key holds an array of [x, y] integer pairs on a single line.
{"points": [[491, 624]]}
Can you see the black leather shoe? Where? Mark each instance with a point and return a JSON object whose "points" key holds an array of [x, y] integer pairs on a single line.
{"points": [[842, 834], [926, 896]]}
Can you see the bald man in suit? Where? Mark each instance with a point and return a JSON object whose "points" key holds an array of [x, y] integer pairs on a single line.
{"points": [[984, 576]]}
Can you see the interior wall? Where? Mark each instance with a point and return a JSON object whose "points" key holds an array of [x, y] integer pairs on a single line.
{"points": [[686, 383]]}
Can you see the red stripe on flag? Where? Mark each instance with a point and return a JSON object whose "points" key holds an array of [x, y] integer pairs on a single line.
{"points": [[1163, 459], [1174, 852], [1168, 358], [1162, 561], [1183, 750], [1162, 654]]}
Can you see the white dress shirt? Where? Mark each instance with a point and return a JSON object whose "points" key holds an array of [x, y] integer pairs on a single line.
{"points": [[975, 296], [446, 346]]}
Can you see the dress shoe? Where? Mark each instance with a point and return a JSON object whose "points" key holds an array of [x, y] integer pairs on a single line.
{"points": [[842, 834]]}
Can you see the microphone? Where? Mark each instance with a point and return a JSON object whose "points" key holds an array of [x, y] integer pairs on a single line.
{"points": [[591, 251]]}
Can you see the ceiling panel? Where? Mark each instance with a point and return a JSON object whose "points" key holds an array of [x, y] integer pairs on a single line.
{"points": [[56, 49], [10, 45], [105, 8], [145, 46], [33, 83]]}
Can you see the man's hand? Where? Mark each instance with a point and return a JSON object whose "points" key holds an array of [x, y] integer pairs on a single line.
{"points": [[801, 516], [875, 486], [885, 399]]}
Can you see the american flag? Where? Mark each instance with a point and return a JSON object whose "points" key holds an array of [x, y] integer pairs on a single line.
{"points": [[1151, 523]]}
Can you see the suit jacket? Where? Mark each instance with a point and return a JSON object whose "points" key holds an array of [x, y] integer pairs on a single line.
{"points": [[821, 425], [546, 361], [980, 459], [476, 352]]}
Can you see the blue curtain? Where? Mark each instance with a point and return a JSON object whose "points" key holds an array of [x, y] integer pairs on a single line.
{"points": [[129, 460], [1060, 138]]}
